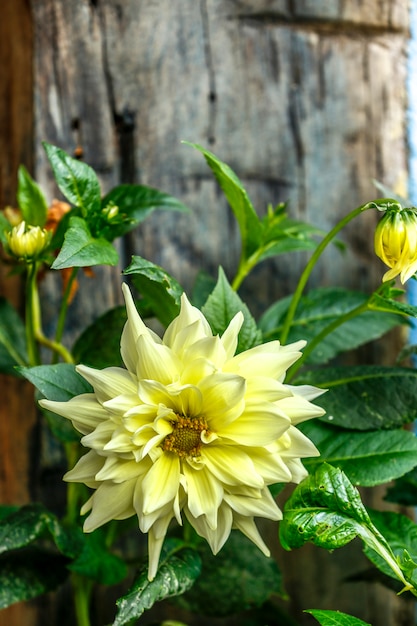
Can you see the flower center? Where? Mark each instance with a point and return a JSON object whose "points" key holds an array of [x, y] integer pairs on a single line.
{"points": [[185, 439]]}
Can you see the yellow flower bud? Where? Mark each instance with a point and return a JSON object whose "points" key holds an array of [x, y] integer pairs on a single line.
{"points": [[396, 243], [27, 243]]}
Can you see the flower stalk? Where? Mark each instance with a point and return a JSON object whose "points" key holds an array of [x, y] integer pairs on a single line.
{"points": [[312, 262]]}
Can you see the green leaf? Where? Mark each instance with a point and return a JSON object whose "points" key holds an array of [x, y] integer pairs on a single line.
{"points": [[404, 490], [12, 338], [59, 382], [335, 618], [81, 249], [29, 573], [239, 578], [96, 562], [326, 509], [220, 308], [401, 534], [368, 458], [322, 307], [388, 304], [249, 223], [203, 286], [30, 199], [160, 290], [5, 227], [31, 522], [178, 569], [76, 180], [137, 202], [366, 397], [99, 344], [281, 234]]}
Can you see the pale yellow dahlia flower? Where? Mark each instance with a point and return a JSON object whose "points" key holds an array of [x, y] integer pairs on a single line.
{"points": [[396, 243], [189, 428]]}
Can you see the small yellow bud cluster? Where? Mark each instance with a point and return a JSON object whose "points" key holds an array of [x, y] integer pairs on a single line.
{"points": [[396, 243], [27, 242]]}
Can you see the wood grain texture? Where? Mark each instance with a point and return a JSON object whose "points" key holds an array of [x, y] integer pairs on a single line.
{"points": [[305, 99]]}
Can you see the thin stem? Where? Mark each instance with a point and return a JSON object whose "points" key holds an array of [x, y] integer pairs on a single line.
{"points": [[312, 262], [57, 348], [361, 308], [245, 266], [64, 305], [31, 315], [82, 588]]}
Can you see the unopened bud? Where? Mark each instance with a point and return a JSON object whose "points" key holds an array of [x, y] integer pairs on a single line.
{"points": [[27, 243], [396, 242]]}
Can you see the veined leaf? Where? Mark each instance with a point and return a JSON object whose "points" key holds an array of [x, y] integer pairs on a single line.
{"points": [[249, 223], [59, 382], [367, 458], [76, 180], [335, 618], [326, 509], [366, 397], [81, 249], [319, 309], [404, 490], [30, 199], [178, 569], [220, 308], [160, 290], [137, 202], [29, 573], [401, 534]]}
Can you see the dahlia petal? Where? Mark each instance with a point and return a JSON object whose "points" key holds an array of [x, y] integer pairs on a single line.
{"points": [[300, 446], [85, 469], [156, 361], [187, 316], [215, 538], [121, 404], [84, 411], [247, 526], [223, 398], [270, 425], [133, 328], [308, 392], [269, 359], [109, 382], [265, 506], [204, 492], [209, 348], [266, 389], [188, 337], [161, 483], [156, 538], [100, 436], [110, 501], [297, 469], [196, 370], [231, 465], [229, 338], [271, 467], [119, 470], [299, 409]]}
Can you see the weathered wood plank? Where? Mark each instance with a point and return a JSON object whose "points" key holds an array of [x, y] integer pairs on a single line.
{"points": [[304, 99]]}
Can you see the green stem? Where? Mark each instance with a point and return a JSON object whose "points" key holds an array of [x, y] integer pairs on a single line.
{"points": [[361, 308], [82, 588], [31, 314], [312, 262], [245, 266], [64, 306], [34, 322]]}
